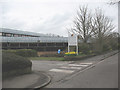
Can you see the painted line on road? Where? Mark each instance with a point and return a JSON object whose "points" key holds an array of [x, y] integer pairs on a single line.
{"points": [[72, 68], [85, 69], [78, 65], [91, 66], [86, 63], [60, 70], [59, 64]]}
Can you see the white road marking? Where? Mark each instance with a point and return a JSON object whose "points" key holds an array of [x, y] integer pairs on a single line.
{"points": [[60, 70], [71, 67], [86, 63], [78, 65], [59, 64]]}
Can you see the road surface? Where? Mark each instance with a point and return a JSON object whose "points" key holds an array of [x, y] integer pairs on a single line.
{"points": [[102, 75], [89, 73]]}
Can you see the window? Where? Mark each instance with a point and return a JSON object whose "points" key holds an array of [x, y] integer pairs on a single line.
{"points": [[15, 35], [7, 34]]}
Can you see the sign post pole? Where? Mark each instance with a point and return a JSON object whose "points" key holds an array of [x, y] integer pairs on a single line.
{"points": [[68, 48], [77, 49]]}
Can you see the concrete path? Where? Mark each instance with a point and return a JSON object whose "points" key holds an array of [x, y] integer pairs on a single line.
{"points": [[33, 80]]}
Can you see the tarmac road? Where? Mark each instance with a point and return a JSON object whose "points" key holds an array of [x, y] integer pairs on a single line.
{"points": [[103, 75]]}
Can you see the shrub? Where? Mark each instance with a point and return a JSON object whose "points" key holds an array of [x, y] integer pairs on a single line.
{"points": [[23, 52], [79, 57], [14, 63], [84, 48], [75, 57], [26, 52], [53, 55]]}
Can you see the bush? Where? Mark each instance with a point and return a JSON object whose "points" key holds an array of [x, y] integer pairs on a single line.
{"points": [[26, 52], [84, 48], [23, 52], [72, 58], [14, 63]]}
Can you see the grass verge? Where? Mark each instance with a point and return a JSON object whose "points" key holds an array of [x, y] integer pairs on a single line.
{"points": [[47, 58]]}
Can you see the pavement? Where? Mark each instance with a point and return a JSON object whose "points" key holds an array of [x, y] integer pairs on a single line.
{"points": [[33, 80], [43, 74]]}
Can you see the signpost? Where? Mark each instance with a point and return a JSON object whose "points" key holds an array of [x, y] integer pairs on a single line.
{"points": [[72, 41]]}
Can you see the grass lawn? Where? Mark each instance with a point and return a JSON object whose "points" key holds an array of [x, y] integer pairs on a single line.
{"points": [[47, 58]]}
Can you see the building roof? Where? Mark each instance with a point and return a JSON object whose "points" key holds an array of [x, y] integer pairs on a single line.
{"points": [[21, 32], [41, 38], [33, 39]]}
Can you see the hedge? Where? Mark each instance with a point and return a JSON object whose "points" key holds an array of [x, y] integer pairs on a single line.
{"points": [[23, 52], [73, 58], [12, 63], [53, 55]]}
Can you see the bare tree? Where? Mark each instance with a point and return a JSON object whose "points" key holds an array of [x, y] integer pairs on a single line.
{"points": [[97, 26], [113, 2], [83, 23], [102, 28]]}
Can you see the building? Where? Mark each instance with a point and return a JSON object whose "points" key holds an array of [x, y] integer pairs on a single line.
{"points": [[16, 39], [4, 32]]}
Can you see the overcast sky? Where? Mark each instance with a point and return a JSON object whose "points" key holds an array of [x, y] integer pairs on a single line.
{"points": [[48, 16]]}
